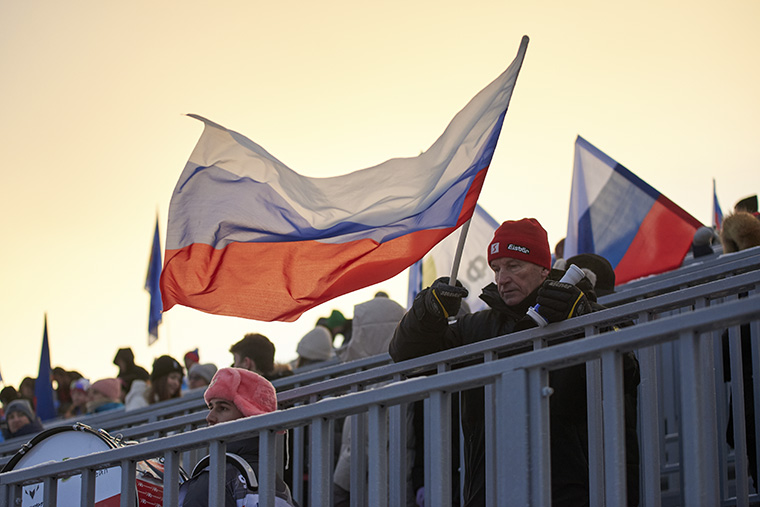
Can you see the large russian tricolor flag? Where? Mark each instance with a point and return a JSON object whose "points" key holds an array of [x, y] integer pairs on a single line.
{"points": [[615, 214], [250, 237]]}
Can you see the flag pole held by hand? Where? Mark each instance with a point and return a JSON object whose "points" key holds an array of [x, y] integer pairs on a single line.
{"points": [[458, 257], [458, 254]]}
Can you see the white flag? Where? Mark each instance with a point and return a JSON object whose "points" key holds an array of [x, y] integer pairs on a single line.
{"points": [[474, 272]]}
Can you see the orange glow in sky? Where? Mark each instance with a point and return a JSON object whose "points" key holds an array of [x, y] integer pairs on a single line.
{"points": [[94, 137]]}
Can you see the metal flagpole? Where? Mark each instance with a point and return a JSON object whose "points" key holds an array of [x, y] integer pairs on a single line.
{"points": [[460, 250]]}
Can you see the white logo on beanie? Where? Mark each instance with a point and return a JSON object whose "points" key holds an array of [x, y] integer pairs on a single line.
{"points": [[519, 248], [495, 248]]}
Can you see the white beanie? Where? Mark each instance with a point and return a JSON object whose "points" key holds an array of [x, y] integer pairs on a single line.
{"points": [[316, 345], [207, 371]]}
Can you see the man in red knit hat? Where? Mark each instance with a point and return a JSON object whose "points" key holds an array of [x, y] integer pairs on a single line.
{"points": [[520, 258]]}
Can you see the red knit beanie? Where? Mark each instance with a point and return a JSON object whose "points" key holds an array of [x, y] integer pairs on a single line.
{"points": [[251, 393], [522, 239]]}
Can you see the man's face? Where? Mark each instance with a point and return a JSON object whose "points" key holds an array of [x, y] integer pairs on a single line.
{"points": [[220, 410], [516, 279]]}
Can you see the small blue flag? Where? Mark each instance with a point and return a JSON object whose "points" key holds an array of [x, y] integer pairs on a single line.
{"points": [[717, 220], [43, 386], [152, 285]]}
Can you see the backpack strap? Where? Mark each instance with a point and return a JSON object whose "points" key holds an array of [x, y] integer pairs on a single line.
{"points": [[245, 469]]}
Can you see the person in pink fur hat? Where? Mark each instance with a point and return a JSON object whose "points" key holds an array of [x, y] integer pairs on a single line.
{"points": [[235, 393], [104, 395]]}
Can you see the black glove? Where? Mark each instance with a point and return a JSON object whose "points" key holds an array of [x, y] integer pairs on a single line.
{"points": [[444, 300], [559, 301], [587, 288]]}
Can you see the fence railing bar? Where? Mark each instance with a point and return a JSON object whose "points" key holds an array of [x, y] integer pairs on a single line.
{"points": [[51, 491], [378, 455], [87, 494], [217, 467], [128, 483], [513, 464], [438, 492], [267, 468], [614, 429], [320, 475]]}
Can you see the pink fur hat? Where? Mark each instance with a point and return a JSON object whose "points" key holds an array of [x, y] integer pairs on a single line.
{"points": [[108, 387], [251, 393]]}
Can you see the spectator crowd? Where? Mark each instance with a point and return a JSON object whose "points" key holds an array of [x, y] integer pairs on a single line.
{"points": [[526, 275]]}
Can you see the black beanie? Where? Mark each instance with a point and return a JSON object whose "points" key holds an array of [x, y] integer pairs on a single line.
{"points": [[601, 267], [163, 366]]}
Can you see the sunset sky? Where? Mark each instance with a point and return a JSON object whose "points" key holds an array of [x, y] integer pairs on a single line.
{"points": [[93, 135]]}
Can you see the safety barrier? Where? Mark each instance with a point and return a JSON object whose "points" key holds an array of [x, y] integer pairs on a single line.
{"points": [[514, 370]]}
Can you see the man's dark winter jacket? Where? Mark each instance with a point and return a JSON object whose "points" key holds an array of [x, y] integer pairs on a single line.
{"points": [[194, 492], [420, 333]]}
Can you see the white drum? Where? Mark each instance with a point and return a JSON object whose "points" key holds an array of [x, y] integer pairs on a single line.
{"points": [[62, 443]]}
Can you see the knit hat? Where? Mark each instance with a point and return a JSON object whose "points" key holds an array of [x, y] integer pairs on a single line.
{"points": [[8, 394], [108, 387], [81, 384], [163, 366], [524, 240], [20, 405], [599, 266], [316, 345], [193, 356], [739, 231], [251, 393], [336, 319], [748, 204], [206, 371]]}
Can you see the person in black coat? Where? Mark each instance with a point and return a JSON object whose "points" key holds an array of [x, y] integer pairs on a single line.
{"points": [[520, 257], [128, 370], [741, 230]]}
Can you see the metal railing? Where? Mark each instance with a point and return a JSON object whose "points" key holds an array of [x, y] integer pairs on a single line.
{"points": [[689, 321], [519, 454]]}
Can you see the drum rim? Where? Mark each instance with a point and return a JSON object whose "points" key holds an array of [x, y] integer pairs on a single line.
{"points": [[25, 448]]}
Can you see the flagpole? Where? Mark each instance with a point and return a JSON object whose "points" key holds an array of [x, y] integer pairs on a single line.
{"points": [[460, 250]]}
